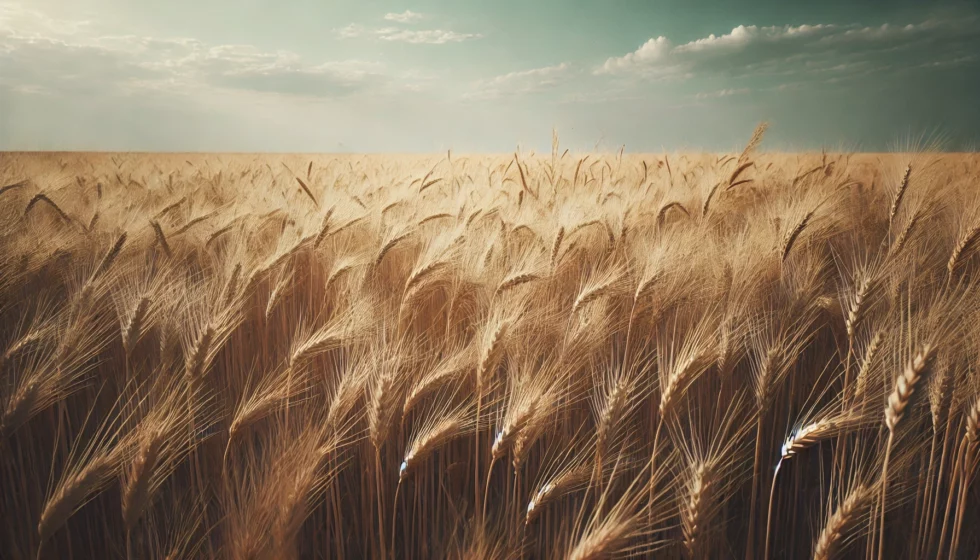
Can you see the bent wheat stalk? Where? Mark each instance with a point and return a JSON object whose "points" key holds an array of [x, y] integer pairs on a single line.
{"points": [[898, 401]]}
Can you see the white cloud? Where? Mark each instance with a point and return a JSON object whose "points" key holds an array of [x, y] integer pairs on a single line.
{"points": [[39, 54], [351, 31], [415, 37], [743, 35], [650, 52], [408, 16], [546, 75], [427, 37], [721, 93], [16, 20], [812, 49], [247, 68], [522, 82]]}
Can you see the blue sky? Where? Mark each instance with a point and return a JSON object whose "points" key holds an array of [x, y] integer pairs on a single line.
{"points": [[428, 75]]}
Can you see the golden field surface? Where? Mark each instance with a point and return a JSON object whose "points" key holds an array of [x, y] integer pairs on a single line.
{"points": [[583, 356]]}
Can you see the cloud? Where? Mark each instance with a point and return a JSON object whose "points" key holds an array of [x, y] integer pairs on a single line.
{"points": [[43, 54], [351, 31], [427, 37], [743, 36], [749, 50], [411, 36], [721, 93], [408, 16], [650, 52], [19, 21], [246, 68], [522, 82]]}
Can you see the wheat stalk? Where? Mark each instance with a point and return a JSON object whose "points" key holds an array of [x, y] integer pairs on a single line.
{"points": [[965, 243], [899, 195], [556, 246], [161, 238], [905, 386], [135, 325], [436, 433], [820, 430], [137, 489], [843, 521], [898, 401], [794, 234], [73, 492], [561, 484]]}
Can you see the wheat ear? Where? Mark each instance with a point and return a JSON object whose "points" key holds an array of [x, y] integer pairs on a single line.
{"points": [[965, 243], [845, 518], [794, 234], [899, 195], [898, 401]]}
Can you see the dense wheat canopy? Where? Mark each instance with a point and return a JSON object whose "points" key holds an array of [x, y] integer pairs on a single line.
{"points": [[747, 355]]}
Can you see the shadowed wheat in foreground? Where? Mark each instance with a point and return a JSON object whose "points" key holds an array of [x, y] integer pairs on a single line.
{"points": [[526, 356]]}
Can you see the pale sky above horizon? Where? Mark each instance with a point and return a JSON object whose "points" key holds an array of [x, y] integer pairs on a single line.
{"points": [[430, 75]]}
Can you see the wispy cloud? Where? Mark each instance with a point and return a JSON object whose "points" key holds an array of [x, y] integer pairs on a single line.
{"points": [[351, 31], [522, 82], [411, 36], [809, 49], [408, 16], [721, 93], [428, 37], [43, 54]]}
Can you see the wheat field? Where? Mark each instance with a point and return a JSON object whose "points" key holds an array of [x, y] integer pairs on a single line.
{"points": [[583, 356]]}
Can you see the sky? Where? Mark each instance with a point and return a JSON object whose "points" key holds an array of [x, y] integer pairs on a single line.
{"points": [[432, 75]]}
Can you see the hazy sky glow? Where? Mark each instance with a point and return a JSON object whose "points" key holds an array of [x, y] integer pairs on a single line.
{"points": [[387, 76]]}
